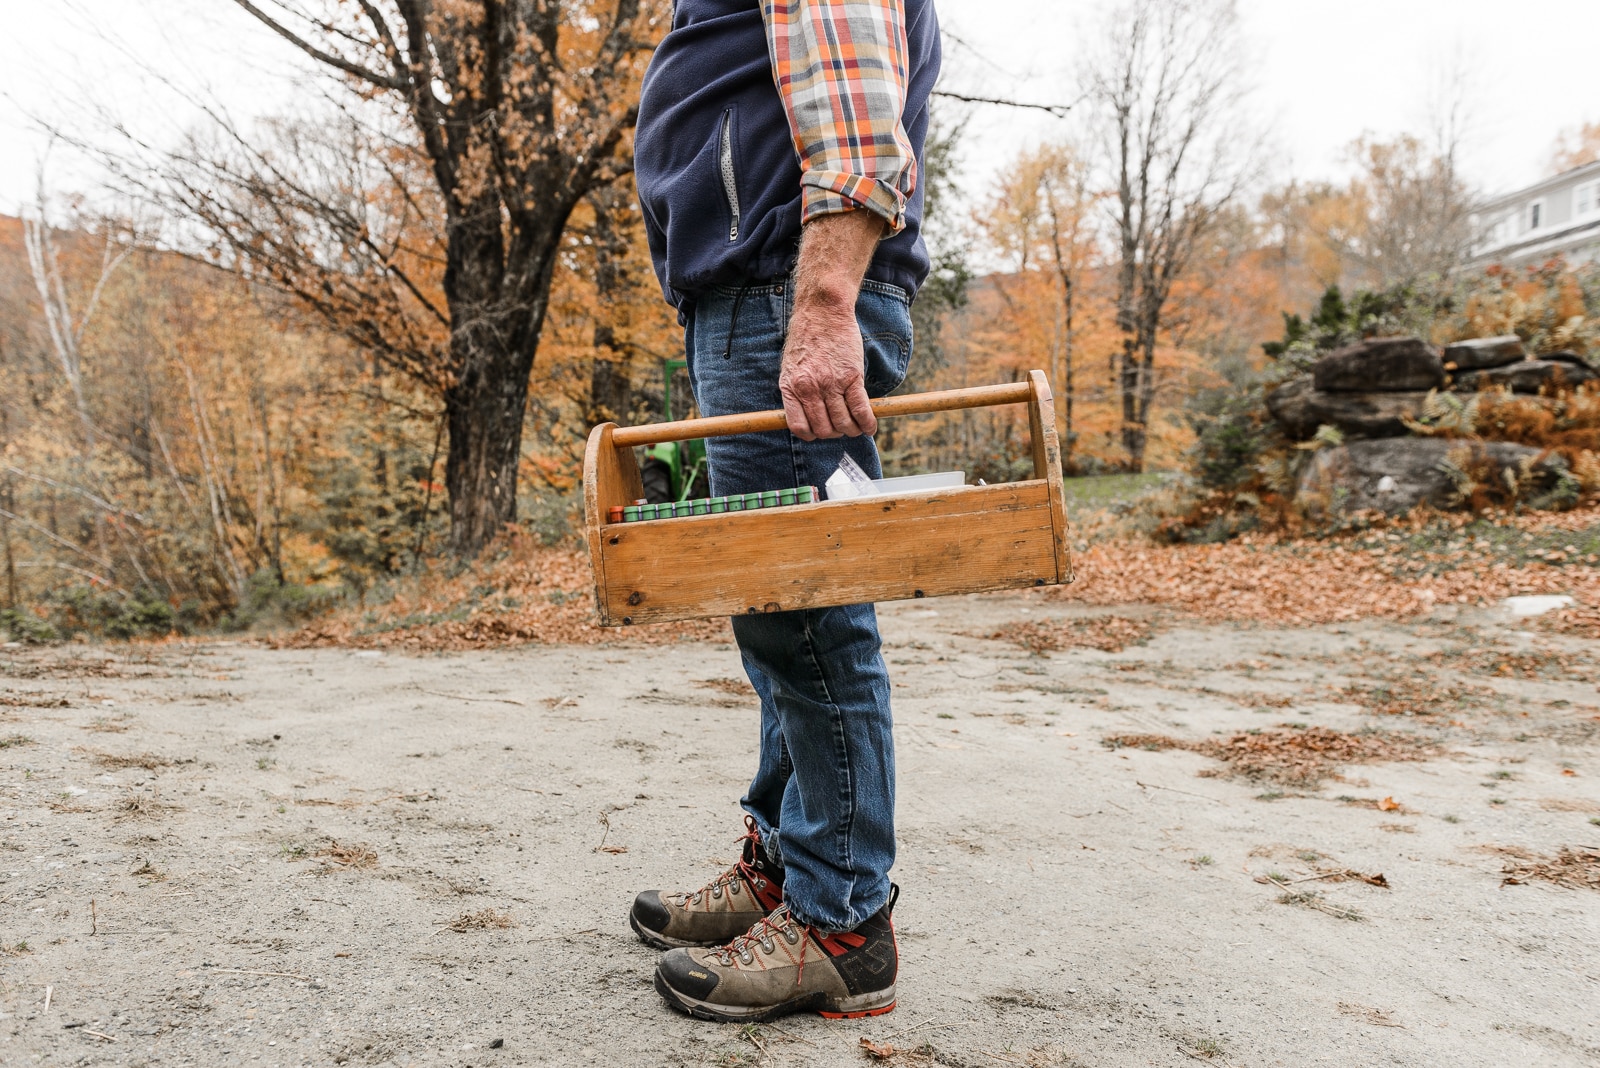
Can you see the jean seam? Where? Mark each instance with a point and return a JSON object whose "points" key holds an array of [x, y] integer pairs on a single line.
{"points": [[848, 794]]}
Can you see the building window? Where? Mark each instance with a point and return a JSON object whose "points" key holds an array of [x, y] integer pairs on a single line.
{"points": [[1536, 215], [1586, 199]]}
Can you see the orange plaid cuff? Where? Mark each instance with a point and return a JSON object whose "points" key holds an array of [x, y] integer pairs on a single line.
{"points": [[841, 68]]}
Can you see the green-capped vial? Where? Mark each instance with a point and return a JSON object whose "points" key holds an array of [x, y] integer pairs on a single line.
{"points": [[630, 514], [808, 495], [701, 506], [788, 496], [682, 508], [752, 501], [769, 499], [719, 505]]}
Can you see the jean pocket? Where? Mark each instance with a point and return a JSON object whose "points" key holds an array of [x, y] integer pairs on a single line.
{"points": [[885, 320]]}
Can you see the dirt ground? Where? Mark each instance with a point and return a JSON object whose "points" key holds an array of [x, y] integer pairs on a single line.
{"points": [[222, 853]]}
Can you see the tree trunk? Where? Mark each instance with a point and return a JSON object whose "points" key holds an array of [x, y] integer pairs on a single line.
{"points": [[610, 376], [483, 415], [610, 384], [1129, 385]]}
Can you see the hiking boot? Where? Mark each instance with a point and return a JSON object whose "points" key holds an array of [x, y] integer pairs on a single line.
{"points": [[780, 966], [717, 912]]}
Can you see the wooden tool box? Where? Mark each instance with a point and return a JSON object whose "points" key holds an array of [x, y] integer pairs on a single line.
{"points": [[929, 544]]}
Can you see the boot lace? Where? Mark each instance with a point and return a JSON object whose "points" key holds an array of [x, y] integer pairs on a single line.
{"points": [[778, 925], [730, 880]]}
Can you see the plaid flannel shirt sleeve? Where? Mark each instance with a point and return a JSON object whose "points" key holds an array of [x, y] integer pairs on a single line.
{"points": [[841, 69]]}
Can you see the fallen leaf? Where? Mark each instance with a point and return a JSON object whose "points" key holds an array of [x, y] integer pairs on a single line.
{"points": [[1389, 804], [1569, 773], [878, 1051]]}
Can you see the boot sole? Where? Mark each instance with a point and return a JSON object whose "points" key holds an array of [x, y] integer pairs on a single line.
{"points": [[876, 1003], [658, 941]]}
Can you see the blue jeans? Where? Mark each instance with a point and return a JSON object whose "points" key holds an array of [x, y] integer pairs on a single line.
{"points": [[823, 794]]}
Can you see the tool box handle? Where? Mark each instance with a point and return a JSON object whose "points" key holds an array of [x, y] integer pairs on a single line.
{"points": [[757, 422]]}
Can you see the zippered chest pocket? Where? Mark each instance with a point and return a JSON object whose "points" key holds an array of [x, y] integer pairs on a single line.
{"points": [[730, 182]]}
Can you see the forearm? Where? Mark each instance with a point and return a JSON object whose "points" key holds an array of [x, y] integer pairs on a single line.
{"points": [[835, 251], [822, 382]]}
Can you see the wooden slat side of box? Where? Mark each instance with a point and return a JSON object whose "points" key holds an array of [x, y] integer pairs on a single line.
{"points": [[611, 477], [808, 556], [1047, 465]]}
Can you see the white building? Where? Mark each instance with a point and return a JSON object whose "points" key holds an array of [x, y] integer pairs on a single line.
{"points": [[1558, 216]]}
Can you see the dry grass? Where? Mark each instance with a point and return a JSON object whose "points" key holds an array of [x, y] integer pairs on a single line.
{"points": [[738, 687], [23, 699], [147, 761], [1109, 634], [337, 857], [136, 806], [482, 920], [102, 725], [1542, 662], [1577, 867], [1312, 899], [1296, 756], [14, 741], [1423, 697]]}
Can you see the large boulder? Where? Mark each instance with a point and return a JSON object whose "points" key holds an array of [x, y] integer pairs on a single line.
{"points": [[1395, 475], [1380, 365], [1529, 376], [1300, 408], [1483, 352]]}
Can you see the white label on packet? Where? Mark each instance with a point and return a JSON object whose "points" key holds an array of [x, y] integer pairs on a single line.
{"points": [[848, 481]]}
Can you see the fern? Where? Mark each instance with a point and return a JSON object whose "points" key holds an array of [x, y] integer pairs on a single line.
{"points": [[1326, 437], [1445, 415], [1455, 466]]}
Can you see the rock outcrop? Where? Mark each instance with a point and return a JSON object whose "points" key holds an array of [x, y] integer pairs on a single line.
{"points": [[1397, 474], [1371, 390], [1483, 352], [1300, 408], [1380, 365], [1528, 376]]}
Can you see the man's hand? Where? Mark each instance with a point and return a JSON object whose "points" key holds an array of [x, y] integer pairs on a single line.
{"points": [[822, 382]]}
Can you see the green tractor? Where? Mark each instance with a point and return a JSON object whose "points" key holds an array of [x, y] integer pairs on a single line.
{"points": [[675, 470]]}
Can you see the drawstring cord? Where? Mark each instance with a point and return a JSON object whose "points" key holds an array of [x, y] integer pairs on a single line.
{"points": [[733, 320]]}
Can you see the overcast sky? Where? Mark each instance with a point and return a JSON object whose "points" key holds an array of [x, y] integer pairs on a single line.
{"points": [[1323, 74]]}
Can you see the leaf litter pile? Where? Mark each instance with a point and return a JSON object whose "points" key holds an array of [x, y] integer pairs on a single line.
{"points": [[337, 856], [482, 920], [527, 593], [1574, 867], [1294, 756], [1109, 634], [1399, 570]]}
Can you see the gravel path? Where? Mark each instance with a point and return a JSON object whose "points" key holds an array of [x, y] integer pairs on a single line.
{"points": [[224, 854]]}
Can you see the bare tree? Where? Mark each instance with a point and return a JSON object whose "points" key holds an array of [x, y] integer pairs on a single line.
{"points": [[65, 326], [424, 223], [1166, 91], [1413, 212], [1067, 201], [1042, 215]]}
